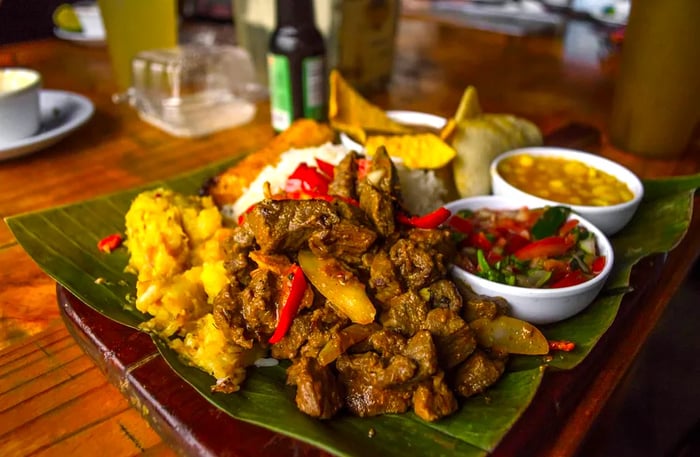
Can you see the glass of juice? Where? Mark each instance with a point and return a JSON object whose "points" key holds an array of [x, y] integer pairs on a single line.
{"points": [[656, 107], [133, 26]]}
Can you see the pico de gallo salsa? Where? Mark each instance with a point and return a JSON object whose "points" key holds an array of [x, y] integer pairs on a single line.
{"points": [[535, 248]]}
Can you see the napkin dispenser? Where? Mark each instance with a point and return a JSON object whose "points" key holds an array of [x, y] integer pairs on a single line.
{"points": [[194, 90]]}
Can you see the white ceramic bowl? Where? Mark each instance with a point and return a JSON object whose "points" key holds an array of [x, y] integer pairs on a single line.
{"points": [[19, 103], [538, 306], [610, 219], [411, 118]]}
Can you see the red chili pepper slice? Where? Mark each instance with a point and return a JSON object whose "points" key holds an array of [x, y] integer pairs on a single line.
{"points": [[551, 246], [308, 179], [598, 264], [563, 345], [326, 168], [296, 288], [429, 221], [572, 278], [110, 243]]}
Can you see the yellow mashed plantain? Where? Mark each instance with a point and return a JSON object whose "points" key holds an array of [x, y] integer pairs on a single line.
{"points": [[174, 243]]}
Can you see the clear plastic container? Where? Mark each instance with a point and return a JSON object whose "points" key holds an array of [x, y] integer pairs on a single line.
{"points": [[194, 90]]}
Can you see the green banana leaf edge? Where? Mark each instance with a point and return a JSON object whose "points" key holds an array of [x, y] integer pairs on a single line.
{"points": [[62, 241]]}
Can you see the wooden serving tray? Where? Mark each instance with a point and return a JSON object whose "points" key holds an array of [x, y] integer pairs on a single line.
{"points": [[193, 426]]}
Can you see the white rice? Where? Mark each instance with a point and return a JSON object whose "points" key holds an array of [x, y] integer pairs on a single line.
{"points": [[422, 191]]}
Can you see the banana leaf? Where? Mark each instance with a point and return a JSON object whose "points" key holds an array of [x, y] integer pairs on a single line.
{"points": [[62, 241]]}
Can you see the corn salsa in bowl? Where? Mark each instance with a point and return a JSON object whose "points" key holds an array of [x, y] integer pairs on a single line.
{"points": [[602, 191]]}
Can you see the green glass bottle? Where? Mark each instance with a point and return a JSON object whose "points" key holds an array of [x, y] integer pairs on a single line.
{"points": [[296, 64]]}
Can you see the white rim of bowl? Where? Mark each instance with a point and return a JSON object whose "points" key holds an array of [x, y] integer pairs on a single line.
{"points": [[505, 203], [26, 88], [407, 117], [601, 163]]}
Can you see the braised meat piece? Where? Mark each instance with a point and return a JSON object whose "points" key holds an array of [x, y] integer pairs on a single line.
{"points": [[319, 393], [443, 294], [367, 400], [286, 225], [343, 240], [344, 177], [387, 342], [378, 207], [417, 267], [421, 349], [405, 313], [437, 241], [453, 338], [228, 316], [477, 373], [236, 249], [379, 191], [375, 386], [259, 310], [310, 331], [480, 306], [434, 399], [384, 280]]}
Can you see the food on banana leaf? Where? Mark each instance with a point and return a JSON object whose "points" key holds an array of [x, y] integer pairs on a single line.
{"points": [[334, 276], [478, 138]]}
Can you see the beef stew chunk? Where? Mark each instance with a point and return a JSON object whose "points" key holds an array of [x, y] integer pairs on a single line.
{"points": [[319, 393]]}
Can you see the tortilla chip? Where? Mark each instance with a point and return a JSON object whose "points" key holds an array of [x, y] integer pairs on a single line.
{"points": [[469, 106], [350, 112], [421, 150], [303, 133]]}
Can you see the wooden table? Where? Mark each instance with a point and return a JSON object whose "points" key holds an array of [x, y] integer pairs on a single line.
{"points": [[53, 399]]}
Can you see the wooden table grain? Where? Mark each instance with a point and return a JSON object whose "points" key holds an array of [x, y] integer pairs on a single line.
{"points": [[53, 399]]}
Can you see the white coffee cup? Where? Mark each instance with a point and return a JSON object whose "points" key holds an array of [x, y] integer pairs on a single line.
{"points": [[20, 115]]}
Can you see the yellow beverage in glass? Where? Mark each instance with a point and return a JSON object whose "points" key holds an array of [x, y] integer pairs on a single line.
{"points": [[136, 25]]}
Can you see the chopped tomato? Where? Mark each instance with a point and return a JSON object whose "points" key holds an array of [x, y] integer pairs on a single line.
{"points": [[572, 278], [480, 241], [598, 264], [515, 242], [551, 246], [461, 224]]}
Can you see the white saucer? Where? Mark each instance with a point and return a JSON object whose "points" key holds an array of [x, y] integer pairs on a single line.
{"points": [[61, 113], [79, 37]]}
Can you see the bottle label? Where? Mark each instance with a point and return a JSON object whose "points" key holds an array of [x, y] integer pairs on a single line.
{"points": [[312, 90], [313, 82], [281, 97]]}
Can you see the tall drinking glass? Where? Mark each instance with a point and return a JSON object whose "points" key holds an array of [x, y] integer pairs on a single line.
{"points": [[136, 25], [656, 107]]}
